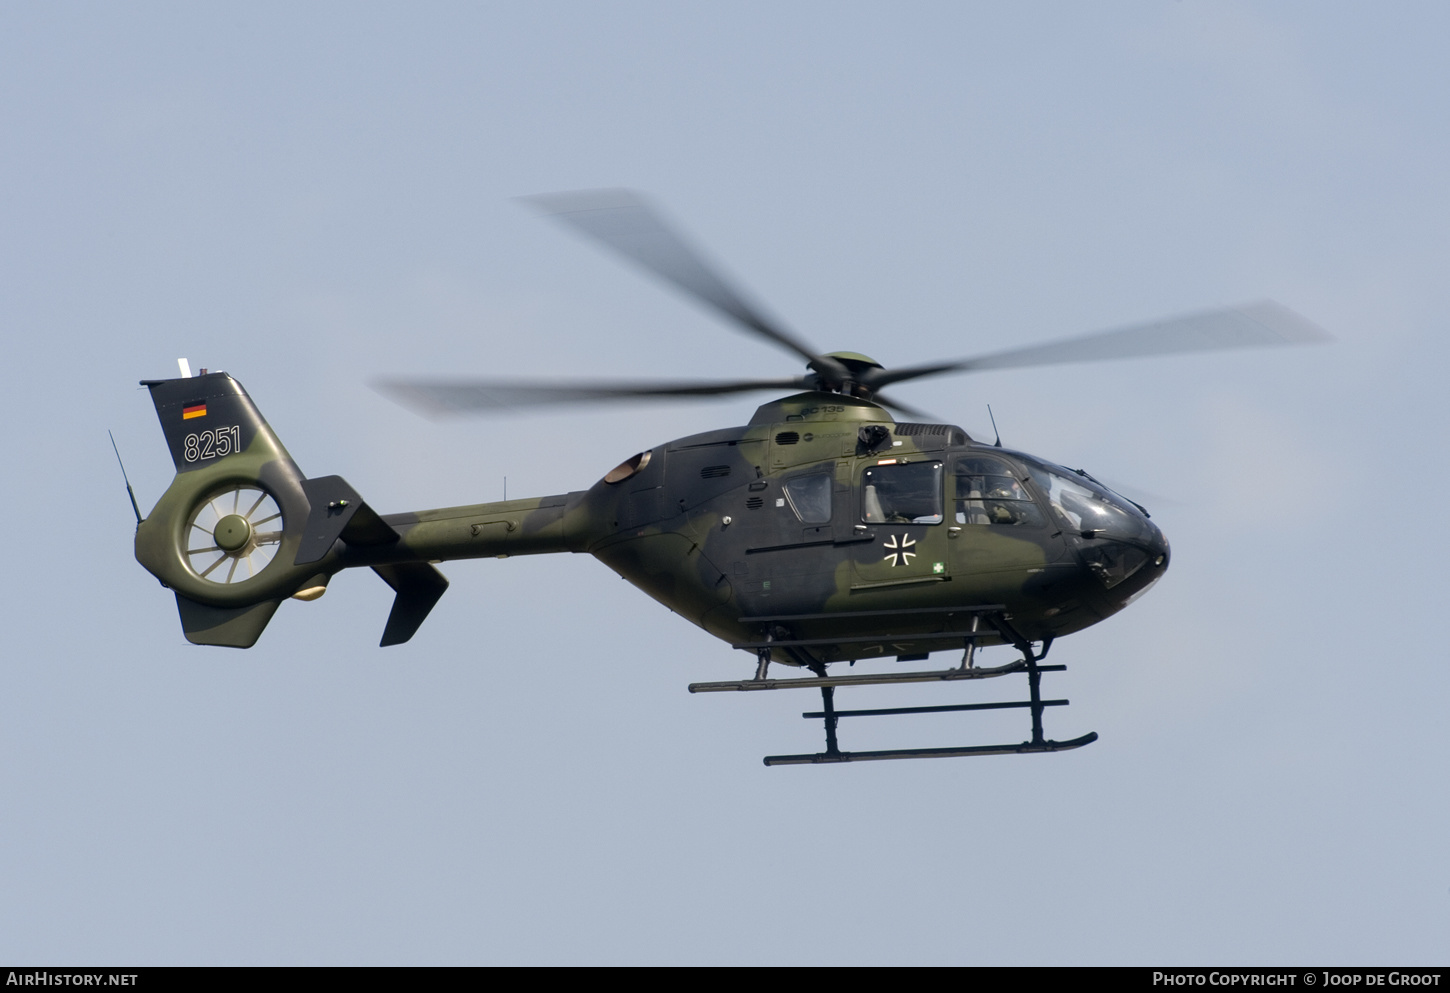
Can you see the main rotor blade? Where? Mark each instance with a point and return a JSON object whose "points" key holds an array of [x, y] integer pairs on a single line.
{"points": [[441, 397], [620, 220], [1251, 325], [900, 407]]}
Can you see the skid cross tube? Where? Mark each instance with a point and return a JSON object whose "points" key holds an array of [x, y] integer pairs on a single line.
{"points": [[828, 699], [1034, 671]]}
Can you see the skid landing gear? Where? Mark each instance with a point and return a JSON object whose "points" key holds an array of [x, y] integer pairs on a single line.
{"points": [[831, 717]]}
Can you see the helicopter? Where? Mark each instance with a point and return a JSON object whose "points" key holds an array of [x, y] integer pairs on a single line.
{"points": [[824, 531]]}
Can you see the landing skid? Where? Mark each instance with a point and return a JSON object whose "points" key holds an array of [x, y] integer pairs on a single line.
{"points": [[1029, 664], [821, 758]]}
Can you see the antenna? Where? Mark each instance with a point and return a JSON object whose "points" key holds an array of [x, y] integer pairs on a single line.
{"points": [[185, 368], [998, 442], [129, 492]]}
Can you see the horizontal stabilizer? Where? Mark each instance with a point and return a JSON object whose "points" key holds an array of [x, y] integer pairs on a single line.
{"points": [[228, 627], [419, 586], [337, 511]]}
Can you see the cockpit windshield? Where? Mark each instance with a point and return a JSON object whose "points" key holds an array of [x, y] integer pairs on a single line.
{"points": [[1081, 503]]}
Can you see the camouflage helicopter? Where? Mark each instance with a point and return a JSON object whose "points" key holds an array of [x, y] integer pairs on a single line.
{"points": [[823, 531]]}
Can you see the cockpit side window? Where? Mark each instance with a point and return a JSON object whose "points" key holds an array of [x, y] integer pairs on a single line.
{"points": [[902, 494], [810, 497], [989, 493]]}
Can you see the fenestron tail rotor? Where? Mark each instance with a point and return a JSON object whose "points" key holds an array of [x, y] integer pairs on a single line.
{"points": [[233, 535], [241, 528]]}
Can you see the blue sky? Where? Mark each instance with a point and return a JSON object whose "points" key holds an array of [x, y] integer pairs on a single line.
{"points": [[311, 196]]}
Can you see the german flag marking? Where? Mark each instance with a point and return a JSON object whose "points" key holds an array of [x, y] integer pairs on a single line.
{"points": [[196, 410]]}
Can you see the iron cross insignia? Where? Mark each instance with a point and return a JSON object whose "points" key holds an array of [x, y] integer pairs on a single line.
{"points": [[899, 554]]}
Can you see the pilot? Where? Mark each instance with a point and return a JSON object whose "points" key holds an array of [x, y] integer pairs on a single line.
{"points": [[1004, 489]]}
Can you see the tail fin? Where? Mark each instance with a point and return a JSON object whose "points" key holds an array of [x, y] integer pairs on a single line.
{"points": [[240, 529]]}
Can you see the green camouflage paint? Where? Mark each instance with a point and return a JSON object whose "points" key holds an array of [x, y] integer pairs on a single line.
{"points": [[762, 521]]}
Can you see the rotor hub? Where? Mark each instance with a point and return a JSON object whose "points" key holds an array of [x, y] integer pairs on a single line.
{"points": [[232, 532]]}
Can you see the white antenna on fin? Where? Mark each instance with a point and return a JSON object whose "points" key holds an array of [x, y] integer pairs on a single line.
{"points": [[185, 368]]}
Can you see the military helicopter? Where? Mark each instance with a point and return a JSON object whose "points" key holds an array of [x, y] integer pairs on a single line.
{"points": [[823, 531]]}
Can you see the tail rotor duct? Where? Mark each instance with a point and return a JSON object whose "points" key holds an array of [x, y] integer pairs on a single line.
{"points": [[233, 535]]}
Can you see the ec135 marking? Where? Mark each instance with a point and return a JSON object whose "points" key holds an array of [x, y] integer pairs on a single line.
{"points": [[823, 531]]}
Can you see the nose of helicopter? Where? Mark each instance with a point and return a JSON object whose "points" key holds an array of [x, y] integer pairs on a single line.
{"points": [[1158, 548], [1146, 577], [1129, 555]]}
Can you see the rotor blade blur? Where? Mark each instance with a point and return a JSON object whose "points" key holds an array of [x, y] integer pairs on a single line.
{"points": [[1145, 499], [900, 407], [1249, 326], [620, 220], [442, 397]]}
